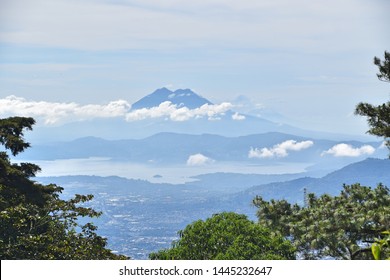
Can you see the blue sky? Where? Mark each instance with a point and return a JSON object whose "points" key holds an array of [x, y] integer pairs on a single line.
{"points": [[310, 61]]}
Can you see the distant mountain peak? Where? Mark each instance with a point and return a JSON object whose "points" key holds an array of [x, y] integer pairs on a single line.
{"points": [[180, 97]]}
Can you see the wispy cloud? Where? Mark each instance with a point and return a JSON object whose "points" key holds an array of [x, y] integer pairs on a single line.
{"points": [[56, 113], [43, 67], [158, 24], [175, 113], [346, 150], [279, 150], [198, 160]]}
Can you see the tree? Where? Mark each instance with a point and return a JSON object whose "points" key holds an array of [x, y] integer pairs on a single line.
{"points": [[35, 223], [226, 236], [384, 67], [379, 121], [340, 227], [378, 117]]}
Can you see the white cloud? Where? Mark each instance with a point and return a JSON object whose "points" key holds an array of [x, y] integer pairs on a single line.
{"points": [[279, 150], [55, 112], [238, 117], [171, 111], [346, 150], [198, 159]]}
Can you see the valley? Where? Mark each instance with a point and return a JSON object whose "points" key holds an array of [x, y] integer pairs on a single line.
{"points": [[140, 217]]}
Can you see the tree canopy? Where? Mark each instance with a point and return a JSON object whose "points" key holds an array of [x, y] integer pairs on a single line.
{"points": [[383, 67], [378, 117], [35, 223], [227, 236], [339, 227]]}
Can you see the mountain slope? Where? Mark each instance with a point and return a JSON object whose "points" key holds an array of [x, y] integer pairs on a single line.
{"points": [[369, 172], [174, 148], [181, 98], [141, 121]]}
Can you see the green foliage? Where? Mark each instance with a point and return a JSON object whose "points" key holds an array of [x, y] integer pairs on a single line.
{"points": [[380, 248], [227, 236], [34, 222], [378, 117], [340, 227], [383, 67], [11, 133]]}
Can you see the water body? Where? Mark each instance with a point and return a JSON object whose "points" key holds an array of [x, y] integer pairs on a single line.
{"points": [[174, 174]]}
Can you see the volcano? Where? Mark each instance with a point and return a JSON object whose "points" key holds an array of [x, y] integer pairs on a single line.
{"points": [[180, 98]]}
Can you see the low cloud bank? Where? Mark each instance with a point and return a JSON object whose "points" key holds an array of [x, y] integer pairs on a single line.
{"points": [[55, 112], [171, 111]]}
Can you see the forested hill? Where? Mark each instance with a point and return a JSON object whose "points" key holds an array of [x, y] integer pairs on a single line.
{"points": [[369, 172]]}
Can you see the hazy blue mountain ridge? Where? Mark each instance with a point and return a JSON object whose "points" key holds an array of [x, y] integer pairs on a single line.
{"points": [[176, 148], [369, 172], [222, 124]]}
